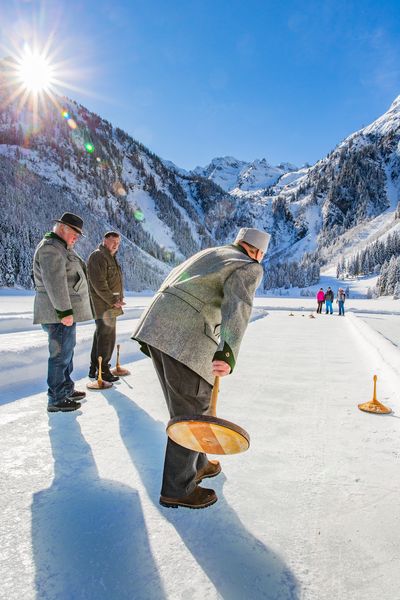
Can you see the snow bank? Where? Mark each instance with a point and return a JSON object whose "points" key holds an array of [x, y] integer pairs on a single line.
{"points": [[384, 353]]}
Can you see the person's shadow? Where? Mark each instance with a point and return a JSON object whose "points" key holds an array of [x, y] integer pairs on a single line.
{"points": [[89, 537], [239, 565]]}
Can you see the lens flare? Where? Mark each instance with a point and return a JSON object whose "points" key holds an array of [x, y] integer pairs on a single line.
{"points": [[89, 147], [138, 215], [35, 71]]}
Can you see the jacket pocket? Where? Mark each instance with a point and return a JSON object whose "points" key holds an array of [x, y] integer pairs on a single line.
{"points": [[78, 284], [185, 296], [211, 333]]}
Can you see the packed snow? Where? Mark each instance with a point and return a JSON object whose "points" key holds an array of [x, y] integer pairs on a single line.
{"points": [[310, 512]]}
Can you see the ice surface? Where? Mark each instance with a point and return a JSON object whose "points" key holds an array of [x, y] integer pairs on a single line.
{"points": [[310, 512]]}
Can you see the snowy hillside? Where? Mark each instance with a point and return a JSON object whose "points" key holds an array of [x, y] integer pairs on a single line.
{"points": [[77, 161], [349, 199], [236, 175], [328, 212]]}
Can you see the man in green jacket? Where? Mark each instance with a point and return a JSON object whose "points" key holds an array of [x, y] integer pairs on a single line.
{"points": [[106, 289]]}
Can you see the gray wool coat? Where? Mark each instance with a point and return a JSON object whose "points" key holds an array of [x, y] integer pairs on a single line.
{"points": [[60, 282], [202, 309]]}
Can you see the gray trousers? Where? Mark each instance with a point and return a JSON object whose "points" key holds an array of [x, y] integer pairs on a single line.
{"points": [[186, 393]]}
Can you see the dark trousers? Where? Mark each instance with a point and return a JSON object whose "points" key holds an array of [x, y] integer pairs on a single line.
{"points": [[341, 307], [103, 343], [319, 309], [186, 393], [62, 340]]}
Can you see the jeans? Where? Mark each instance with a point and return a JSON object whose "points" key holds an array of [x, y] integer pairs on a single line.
{"points": [[62, 340], [341, 307], [329, 307]]}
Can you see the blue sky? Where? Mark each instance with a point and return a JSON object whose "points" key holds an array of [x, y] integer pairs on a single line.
{"points": [[193, 80]]}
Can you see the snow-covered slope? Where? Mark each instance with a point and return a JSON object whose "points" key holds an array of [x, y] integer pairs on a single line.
{"points": [[67, 158], [347, 199], [235, 175]]}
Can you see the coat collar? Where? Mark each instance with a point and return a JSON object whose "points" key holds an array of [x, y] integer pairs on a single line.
{"points": [[107, 253], [51, 235], [244, 251]]}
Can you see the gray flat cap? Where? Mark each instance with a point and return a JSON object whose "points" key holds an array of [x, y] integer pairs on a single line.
{"points": [[255, 237]]}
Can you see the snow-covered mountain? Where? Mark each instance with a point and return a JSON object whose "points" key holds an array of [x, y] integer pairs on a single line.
{"points": [[349, 199], [233, 175], [72, 159]]}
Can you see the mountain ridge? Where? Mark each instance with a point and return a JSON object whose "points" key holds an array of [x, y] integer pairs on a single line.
{"points": [[166, 213]]}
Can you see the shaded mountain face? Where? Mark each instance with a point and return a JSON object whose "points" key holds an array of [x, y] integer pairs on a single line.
{"points": [[70, 159]]}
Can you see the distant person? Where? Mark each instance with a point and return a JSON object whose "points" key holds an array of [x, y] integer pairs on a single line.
{"points": [[107, 292], [341, 299], [61, 300], [192, 331], [329, 301], [320, 300]]}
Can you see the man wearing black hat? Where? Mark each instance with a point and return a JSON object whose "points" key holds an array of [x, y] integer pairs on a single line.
{"points": [[62, 300]]}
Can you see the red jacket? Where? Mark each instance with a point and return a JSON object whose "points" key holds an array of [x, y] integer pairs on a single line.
{"points": [[320, 296]]}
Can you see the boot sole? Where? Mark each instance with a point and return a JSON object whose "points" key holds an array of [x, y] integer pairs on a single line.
{"points": [[178, 504], [54, 410]]}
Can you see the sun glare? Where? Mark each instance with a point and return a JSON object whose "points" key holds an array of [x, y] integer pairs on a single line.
{"points": [[33, 79], [35, 72], [33, 76]]}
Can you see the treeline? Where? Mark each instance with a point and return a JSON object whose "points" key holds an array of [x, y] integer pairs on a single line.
{"points": [[292, 274], [388, 283], [29, 205], [371, 259]]}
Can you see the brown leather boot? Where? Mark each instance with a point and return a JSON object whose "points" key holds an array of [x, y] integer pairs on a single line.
{"points": [[211, 469], [199, 498]]}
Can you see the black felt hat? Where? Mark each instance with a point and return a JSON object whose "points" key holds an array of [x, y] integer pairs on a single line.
{"points": [[72, 221]]}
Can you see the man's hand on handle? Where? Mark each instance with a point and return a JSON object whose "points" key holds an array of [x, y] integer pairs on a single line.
{"points": [[68, 321], [119, 304], [220, 368]]}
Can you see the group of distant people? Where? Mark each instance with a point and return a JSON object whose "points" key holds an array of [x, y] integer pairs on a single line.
{"points": [[327, 299]]}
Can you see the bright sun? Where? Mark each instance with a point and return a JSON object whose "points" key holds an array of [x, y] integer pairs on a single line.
{"points": [[35, 75], [35, 72]]}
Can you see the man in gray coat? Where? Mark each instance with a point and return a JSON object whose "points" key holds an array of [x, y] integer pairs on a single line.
{"points": [[192, 331], [62, 300]]}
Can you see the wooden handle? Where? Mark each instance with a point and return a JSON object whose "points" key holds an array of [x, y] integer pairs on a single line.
{"points": [[100, 378], [118, 365], [374, 398], [214, 397]]}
